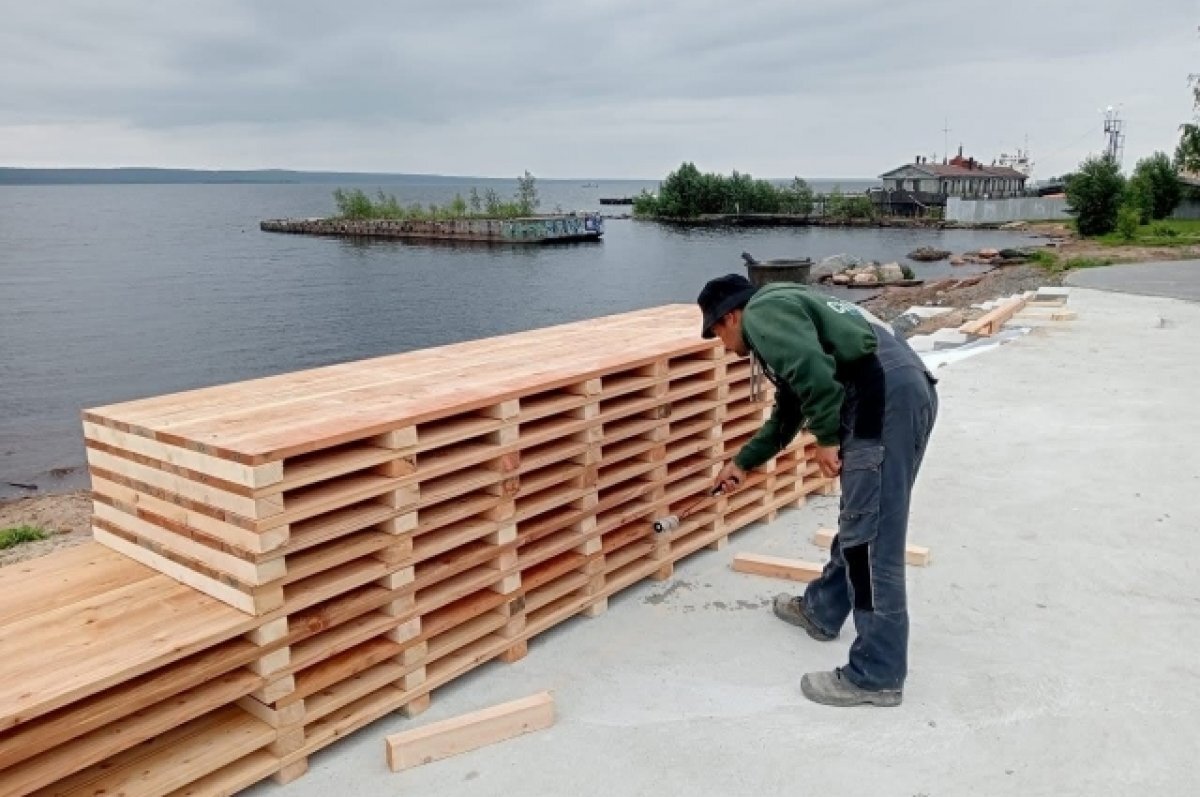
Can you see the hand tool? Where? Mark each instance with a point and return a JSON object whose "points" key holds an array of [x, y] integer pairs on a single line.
{"points": [[672, 522]]}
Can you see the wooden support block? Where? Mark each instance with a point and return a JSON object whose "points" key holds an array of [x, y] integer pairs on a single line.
{"points": [[776, 567], [596, 609], [271, 663], [916, 555], [286, 717], [515, 653], [280, 687], [1064, 315], [469, 732], [416, 707], [290, 741], [398, 579], [269, 632], [718, 544], [291, 772], [664, 573]]}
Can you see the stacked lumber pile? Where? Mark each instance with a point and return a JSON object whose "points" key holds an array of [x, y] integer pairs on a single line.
{"points": [[369, 532]]}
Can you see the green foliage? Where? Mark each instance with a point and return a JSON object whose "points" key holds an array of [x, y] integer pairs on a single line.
{"points": [[1154, 188], [1169, 232], [1187, 151], [1076, 263], [847, 208], [796, 198], [10, 538], [1129, 218], [355, 204], [686, 194], [527, 195], [1046, 259], [1095, 193]]}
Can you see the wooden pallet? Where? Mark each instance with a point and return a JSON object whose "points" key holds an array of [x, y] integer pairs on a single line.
{"points": [[336, 544]]}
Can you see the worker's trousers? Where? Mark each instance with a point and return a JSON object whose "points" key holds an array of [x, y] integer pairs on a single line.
{"points": [[886, 424]]}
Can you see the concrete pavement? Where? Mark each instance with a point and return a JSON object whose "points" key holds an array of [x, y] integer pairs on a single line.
{"points": [[1055, 638], [1179, 279]]}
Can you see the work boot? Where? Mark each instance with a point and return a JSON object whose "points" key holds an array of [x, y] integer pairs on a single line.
{"points": [[835, 689], [791, 610]]}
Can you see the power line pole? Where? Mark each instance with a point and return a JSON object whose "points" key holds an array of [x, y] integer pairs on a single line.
{"points": [[1114, 128], [946, 138]]}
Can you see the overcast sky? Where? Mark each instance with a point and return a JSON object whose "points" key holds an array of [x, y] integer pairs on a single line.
{"points": [[586, 88]]}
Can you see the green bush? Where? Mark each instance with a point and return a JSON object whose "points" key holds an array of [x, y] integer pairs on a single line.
{"points": [[1164, 231], [1095, 193], [686, 194], [1154, 187], [10, 538], [355, 204], [1128, 221]]}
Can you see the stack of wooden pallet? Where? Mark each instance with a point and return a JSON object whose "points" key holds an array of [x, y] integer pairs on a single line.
{"points": [[380, 528]]}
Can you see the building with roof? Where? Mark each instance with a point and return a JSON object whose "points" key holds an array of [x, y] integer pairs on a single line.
{"points": [[914, 188]]}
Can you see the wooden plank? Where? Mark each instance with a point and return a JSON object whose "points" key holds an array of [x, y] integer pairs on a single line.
{"points": [[64, 577], [338, 552], [120, 735], [776, 567], [172, 760], [104, 709], [232, 778], [469, 732], [915, 555], [66, 654], [247, 475], [138, 473], [153, 508], [245, 571], [322, 466], [333, 582], [337, 524], [244, 601], [341, 667], [338, 640], [347, 691]]}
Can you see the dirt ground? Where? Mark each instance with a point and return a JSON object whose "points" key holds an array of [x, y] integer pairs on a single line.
{"points": [[960, 294], [66, 517]]}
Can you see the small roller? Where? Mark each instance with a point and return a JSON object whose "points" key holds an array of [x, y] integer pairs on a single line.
{"points": [[672, 522]]}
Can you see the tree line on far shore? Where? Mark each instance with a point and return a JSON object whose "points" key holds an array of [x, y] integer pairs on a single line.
{"points": [[686, 193]]}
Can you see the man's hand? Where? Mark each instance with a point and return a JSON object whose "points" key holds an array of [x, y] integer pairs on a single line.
{"points": [[730, 478], [828, 457]]}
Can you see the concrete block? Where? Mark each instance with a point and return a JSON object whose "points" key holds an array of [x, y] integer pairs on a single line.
{"points": [[928, 312], [920, 343]]}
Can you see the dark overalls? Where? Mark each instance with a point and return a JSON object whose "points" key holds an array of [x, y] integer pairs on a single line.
{"points": [[888, 413]]}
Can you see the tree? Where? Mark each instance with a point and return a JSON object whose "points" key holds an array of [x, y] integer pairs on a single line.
{"points": [[527, 195], [475, 202], [797, 198], [1154, 188], [1095, 193]]}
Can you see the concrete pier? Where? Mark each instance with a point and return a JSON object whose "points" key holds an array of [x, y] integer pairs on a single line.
{"points": [[532, 230]]}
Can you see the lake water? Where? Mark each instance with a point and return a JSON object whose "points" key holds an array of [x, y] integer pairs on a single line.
{"points": [[115, 292]]}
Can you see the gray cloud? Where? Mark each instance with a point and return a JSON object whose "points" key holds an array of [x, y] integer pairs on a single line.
{"points": [[783, 87]]}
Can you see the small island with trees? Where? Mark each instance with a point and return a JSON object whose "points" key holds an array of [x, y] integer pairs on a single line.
{"points": [[485, 218]]}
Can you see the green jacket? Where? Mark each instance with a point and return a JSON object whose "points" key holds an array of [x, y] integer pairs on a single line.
{"points": [[802, 337]]}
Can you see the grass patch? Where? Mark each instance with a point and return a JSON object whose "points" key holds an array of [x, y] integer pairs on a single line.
{"points": [[11, 538], [1168, 232], [1053, 264]]}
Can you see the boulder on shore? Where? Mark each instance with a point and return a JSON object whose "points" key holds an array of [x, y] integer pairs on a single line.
{"points": [[928, 254]]}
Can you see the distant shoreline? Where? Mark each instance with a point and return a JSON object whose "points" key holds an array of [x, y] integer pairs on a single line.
{"points": [[145, 175]]}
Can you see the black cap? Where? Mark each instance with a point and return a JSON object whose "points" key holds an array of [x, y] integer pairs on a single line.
{"points": [[720, 296]]}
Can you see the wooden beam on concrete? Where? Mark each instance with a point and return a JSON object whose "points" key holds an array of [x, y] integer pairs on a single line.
{"points": [[469, 731], [777, 567], [915, 555]]}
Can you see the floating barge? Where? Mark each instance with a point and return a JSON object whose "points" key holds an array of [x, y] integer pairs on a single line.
{"points": [[532, 230]]}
